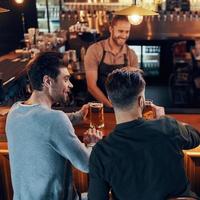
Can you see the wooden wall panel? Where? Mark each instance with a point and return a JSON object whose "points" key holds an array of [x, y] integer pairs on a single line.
{"points": [[192, 167], [5, 182]]}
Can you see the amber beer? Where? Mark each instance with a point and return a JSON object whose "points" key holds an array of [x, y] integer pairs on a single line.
{"points": [[149, 112], [96, 115]]}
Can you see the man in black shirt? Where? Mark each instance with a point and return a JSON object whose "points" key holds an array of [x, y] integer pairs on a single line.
{"points": [[140, 159]]}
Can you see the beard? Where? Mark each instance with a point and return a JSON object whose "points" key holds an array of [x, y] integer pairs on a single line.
{"points": [[61, 98], [119, 41], [65, 98]]}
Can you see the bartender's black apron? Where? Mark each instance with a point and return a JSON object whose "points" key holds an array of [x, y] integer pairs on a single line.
{"points": [[104, 69]]}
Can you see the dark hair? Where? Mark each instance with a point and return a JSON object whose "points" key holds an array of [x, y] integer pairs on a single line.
{"points": [[123, 87], [117, 18], [46, 63]]}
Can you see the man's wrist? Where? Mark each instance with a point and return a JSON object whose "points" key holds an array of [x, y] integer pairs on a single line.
{"points": [[91, 144], [81, 114]]}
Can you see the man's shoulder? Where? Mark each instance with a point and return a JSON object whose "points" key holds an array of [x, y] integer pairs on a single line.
{"points": [[57, 114], [36, 110], [166, 125], [167, 120], [97, 46]]}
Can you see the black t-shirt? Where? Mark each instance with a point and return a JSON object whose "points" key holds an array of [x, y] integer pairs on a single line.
{"points": [[142, 160]]}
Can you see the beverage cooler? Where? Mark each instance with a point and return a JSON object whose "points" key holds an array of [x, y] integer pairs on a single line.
{"points": [[149, 59], [48, 13]]}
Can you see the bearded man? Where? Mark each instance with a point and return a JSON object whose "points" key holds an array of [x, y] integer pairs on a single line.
{"points": [[42, 142], [107, 55]]}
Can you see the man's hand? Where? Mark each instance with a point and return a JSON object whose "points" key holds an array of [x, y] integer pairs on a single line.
{"points": [[160, 111], [84, 110], [92, 136]]}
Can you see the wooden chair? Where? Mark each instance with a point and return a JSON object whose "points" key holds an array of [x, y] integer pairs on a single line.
{"points": [[5, 179]]}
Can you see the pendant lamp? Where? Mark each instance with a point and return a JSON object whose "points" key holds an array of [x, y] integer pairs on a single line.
{"points": [[135, 13]]}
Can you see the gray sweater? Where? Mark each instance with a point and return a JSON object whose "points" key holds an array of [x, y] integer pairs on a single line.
{"points": [[42, 145]]}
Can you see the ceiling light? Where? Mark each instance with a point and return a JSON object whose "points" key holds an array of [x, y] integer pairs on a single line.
{"points": [[19, 1], [135, 13], [135, 19]]}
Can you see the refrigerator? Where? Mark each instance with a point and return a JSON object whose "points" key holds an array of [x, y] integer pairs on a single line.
{"points": [[48, 15], [148, 58]]}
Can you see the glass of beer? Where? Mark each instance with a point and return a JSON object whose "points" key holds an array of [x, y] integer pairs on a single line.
{"points": [[96, 115], [149, 112]]}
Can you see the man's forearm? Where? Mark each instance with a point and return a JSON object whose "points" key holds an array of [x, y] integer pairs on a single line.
{"points": [[75, 117]]}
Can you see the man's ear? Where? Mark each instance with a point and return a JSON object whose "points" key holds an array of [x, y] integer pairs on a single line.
{"points": [[46, 81], [140, 101]]}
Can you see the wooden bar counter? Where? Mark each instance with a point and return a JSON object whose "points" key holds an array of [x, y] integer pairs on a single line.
{"points": [[192, 157]]}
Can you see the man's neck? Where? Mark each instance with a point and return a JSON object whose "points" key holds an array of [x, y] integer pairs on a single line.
{"points": [[39, 97], [126, 115], [114, 48]]}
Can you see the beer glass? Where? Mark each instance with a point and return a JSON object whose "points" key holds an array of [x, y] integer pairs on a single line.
{"points": [[96, 115], [149, 112]]}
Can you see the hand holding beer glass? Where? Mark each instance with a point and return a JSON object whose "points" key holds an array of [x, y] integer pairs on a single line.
{"points": [[151, 111], [92, 136], [96, 115]]}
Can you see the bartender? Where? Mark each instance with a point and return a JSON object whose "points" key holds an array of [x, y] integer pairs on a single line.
{"points": [[106, 55]]}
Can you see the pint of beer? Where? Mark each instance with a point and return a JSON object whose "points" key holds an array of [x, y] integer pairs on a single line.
{"points": [[149, 112], [96, 115]]}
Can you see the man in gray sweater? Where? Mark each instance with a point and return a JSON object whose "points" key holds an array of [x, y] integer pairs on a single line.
{"points": [[42, 142]]}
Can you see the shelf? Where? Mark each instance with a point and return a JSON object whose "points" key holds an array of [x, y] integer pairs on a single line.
{"points": [[151, 54], [95, 6]]}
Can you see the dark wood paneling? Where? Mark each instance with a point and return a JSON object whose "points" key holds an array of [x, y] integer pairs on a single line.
{"points": [[5, 179], [11, 26]]}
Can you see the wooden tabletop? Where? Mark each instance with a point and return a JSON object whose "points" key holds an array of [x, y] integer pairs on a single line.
{"points": [[109, 124], [109, 121]]}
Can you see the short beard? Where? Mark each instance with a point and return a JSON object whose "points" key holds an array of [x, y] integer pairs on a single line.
{"points": [[64, 100], [116, 43]]}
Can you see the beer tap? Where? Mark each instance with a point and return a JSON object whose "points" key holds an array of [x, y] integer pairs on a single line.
{"points": [[196, 15], [89, 19], [69, 15], [178, 16], [171, 16], [165, 17], [184, 17], [100, 16], [158, 17], [191, 15], [76, 15], [105, 20]]}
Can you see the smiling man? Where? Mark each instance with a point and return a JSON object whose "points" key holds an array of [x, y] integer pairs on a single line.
{"points": [[41, 141], [106, 55]]}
